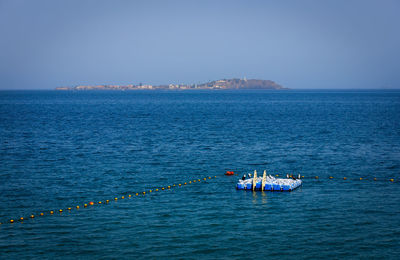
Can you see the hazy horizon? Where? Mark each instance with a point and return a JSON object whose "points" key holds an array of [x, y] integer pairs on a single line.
{"points": [[297, 44]]}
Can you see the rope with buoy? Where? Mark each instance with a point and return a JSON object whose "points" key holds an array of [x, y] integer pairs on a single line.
{"points": [[105, 202]]}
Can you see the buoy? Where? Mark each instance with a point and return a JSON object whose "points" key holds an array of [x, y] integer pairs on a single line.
{"points": [[100, 202], [150, 191], [85, 205], [205, 179], [60, 210], [277, 175], [41, 214], [69, 208], [77, 207], [180, 184], [229, 173], [174, 185], [330, 177], [144, 192], [115, 198], [137, 194], [129, 195], [194, 180], [107, 201], [215, 176], [91, 203], [123, 197], [169, 187], [209, 177], [162, 188], [32, 216], [51, 212], [11, 221], [344, 178], [316, 177], [185, 183], [190, 181], [21, 218], [199, 180], [374, 179], [156, 189], [392, 180]]}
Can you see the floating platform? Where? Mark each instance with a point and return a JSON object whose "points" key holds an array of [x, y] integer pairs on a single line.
{"points": [[268, 183]]}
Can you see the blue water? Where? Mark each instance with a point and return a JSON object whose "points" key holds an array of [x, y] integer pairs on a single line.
{"points": [[62, 149]]}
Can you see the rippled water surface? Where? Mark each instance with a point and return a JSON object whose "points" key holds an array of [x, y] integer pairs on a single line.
{"points": [[62, 149]]}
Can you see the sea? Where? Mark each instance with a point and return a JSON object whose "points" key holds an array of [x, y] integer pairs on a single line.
{"points": [[62, 149]]}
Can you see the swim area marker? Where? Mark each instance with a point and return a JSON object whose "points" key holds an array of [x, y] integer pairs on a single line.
{"points": [[104, 202]]}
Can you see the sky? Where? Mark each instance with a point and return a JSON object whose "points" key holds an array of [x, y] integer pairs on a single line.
{"points": [[299, 44]]}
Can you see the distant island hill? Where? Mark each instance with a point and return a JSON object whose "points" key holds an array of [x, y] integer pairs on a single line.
{"points": [[217, 84]]}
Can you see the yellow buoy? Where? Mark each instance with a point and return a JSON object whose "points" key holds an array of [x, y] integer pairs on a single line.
{"points": [[277, 175], [129, 195], [156, 189], [302, 177], [21, 218], [205, 179], [190, 181], [330, 177], [115, 198], [162, 188], [61, 210], [374, 179], [185, 183], [123, 197], [137, 194], [85, 205], [180, 184], [32, 216], [215, 176], [107, 201], [344, 178], [199, 180], [77, 207], [392, 180], [100, 202], [174, 185], [209, 177], [169, 187], [194, 180], [11, 221], [150, 191], [41, 214], [316, 177], [69, 208], [144, 192], [51, 212], [360, 178]]}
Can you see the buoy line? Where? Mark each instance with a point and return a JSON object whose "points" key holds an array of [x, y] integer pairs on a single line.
{"points": [[104, 202]]}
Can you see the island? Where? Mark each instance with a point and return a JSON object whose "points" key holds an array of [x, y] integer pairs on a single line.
{"points": [[217, 84]]}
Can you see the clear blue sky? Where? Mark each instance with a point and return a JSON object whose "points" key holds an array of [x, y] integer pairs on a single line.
{"points": [[299, 44]]}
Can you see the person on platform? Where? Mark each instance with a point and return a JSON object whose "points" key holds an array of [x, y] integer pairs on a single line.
{"points": [[244, 177]]}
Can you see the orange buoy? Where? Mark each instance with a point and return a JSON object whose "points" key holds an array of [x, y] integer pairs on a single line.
{"points": [[91, 203], [229, 173]]}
